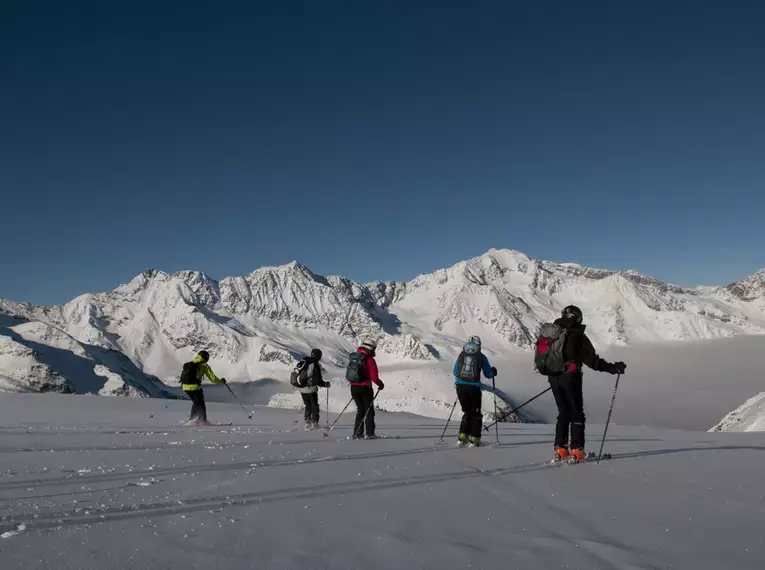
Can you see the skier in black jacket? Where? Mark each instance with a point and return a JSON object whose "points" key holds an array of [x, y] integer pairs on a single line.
{"points": [[310, 393], [567, 387]]}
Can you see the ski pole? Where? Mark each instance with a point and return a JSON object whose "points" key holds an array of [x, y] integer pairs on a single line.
{"points": [[249, 416], [496, 424], [326, 433], [608, 420], [511, 412], [326, 410], [454, 405]]}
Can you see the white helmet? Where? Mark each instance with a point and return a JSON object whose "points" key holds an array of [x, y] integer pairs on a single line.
{"points": [[369, 343], [475, 339]]}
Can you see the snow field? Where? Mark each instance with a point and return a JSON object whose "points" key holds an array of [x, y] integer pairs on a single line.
{"points": [[90, 482]]}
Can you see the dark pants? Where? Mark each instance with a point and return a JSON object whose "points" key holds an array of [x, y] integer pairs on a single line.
{"points": [[472, 418], [567, 389], [363, 396], [311, 402], [198, 408]]}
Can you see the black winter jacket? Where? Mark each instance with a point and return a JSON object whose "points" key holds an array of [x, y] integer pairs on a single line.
{"points": [[579, 350]]}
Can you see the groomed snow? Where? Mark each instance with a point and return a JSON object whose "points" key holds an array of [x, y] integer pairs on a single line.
{"points": [[99, 483]]}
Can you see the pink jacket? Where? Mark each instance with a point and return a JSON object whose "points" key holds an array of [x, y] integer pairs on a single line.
{"points": [[371, 369]]}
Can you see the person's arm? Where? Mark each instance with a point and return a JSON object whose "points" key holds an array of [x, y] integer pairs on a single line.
{"points": [[210, 374], [589, 357], [374, 374], [456, 368], [318, 378], [488, 370]]}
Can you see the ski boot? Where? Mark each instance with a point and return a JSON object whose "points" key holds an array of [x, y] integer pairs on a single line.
{"points": [[370, 436], [577, 455], [315, 426], [203, 423], [190, 422], [475, 441], [462, 440], [308, 426], [561, 454]]}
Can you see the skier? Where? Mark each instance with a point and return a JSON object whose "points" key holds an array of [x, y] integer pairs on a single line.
{"points": [[193, 372], [567, 387], [310, 393], [467, 373], [361, 373]]}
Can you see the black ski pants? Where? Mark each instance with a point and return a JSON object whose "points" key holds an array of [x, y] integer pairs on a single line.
{"points": [[311, 402], [472, 418], [567, 389], [363, 396], [198, 408]]}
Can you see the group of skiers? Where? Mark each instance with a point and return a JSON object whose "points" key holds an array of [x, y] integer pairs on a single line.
{"points": [[562, 349]]}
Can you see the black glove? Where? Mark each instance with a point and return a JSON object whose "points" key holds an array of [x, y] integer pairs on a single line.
{"points": [[327, 384], [223, 380], [380, 384], [493, 371], [619, 367]]}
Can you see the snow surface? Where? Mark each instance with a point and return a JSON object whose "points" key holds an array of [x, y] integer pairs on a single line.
{"points": [[93, 483]]}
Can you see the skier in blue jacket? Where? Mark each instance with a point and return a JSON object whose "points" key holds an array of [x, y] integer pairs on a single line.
{"points": [[467, 373]]}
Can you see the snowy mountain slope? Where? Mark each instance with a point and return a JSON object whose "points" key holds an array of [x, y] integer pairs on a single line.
{"points": [[257, 325], [39, 357], [750, 416], [262, 494]]}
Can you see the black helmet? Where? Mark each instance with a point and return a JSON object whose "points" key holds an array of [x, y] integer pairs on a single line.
{"points": [[205, 355], [316, 353], [572, 313]]}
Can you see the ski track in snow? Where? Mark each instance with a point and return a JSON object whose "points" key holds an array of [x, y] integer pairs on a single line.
{"points": [[269, 495]]}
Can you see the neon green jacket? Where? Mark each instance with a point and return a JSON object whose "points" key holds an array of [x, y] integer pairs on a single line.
{"points": [[202, 370]]}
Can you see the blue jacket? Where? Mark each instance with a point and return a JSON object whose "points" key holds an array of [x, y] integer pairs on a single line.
{"points": [[485, 367]]}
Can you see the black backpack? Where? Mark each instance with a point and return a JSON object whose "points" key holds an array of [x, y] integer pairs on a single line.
{"points": [[189, 373], [469, 363], [356, 362], [548, 354], [299, 377]]}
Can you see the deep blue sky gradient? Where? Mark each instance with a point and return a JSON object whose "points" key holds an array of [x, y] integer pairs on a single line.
{"points": [[378, 139]]}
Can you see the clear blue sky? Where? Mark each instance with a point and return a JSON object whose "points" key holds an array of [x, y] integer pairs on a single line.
{"points": [[378, 139]]}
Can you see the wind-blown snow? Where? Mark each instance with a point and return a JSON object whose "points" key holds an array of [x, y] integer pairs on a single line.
{"points": [[120, 485], [255, 326]]}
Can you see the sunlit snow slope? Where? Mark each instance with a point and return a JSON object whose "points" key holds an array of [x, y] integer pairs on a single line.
{"points": [[120, 485]]}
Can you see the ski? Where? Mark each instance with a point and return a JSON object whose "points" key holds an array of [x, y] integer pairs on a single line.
{"points": [[592, 457]]}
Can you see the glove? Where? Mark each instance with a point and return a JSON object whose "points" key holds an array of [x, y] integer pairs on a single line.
{"points": [[493, 371], [619, 367], [223, 380], [380, 384], [327, 384]]}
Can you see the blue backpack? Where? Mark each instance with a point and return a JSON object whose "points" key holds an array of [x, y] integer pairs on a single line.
{"points": [[356, 363], [469, 363]]}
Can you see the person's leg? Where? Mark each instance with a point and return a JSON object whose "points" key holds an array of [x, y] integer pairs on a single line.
{"points": [[315, 408], [564, 412], [357, 392], [194, 404], [308, 405], [369, 409], [463, 395], [202, 415], [476, 417], [576, 403]]}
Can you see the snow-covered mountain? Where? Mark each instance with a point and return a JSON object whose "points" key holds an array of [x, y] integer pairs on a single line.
{"points": [[40, 357], [750, 416], [255, 326]]}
